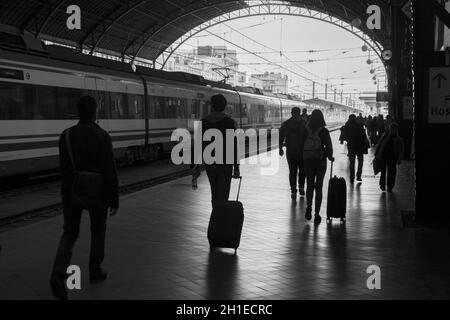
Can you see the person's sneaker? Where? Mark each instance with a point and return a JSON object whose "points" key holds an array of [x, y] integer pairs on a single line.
{"points": [[302, 192], [58, 287], [293, 195], [308, 214], [359, 179], [317, 218], [98, 276]]}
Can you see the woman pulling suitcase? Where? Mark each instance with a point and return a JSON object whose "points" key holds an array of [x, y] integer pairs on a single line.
{"points": [[317, 147]]}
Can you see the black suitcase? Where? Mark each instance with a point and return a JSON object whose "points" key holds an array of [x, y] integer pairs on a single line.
{"points": [[225, 224], [337, 198]]}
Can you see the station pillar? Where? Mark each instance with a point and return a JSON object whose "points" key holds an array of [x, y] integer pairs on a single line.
{"points": [[432, 135], [400, 75]]}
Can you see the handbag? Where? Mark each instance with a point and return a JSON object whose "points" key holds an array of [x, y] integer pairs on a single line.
{"points": [[87, 187]]}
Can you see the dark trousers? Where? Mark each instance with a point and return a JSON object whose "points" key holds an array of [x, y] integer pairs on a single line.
{"points": [[315, 173], [219, 177], [296, 168], [72, 219], [352, 156], [389, 167]]}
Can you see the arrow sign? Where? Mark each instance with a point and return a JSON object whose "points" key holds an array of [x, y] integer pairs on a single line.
{"points": [[439, 78]]}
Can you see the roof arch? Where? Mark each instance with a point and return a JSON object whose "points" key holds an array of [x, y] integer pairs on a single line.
{"points": [[146, 28]]}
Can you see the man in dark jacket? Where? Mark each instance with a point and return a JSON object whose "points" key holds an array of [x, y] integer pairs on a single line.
{"points": [[220, 174], [292, 131], [357, 145], [92, 151], [389, 154]]}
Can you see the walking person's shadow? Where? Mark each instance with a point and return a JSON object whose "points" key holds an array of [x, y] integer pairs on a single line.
{"points": [[222, 275]]}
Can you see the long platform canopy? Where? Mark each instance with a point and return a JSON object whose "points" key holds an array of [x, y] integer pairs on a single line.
{"points": [[145, 28]]}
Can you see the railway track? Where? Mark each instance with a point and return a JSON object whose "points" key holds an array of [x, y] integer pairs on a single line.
{"points": [[55, 209]]}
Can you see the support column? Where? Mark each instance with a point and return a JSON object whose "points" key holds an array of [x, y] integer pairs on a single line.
{"points": [[432, 140]]}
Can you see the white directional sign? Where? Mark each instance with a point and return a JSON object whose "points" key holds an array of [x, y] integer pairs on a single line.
{"points": [[439, 95]]}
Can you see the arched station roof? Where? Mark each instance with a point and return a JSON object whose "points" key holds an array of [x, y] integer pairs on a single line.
{"points": [[146, 28]]}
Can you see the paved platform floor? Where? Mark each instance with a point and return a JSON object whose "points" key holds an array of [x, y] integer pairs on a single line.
{"points": [[157, 246]]}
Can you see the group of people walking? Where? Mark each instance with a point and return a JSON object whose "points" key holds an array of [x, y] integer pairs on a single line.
{"points": [[308, 146], [90, 178], [381, 133]]}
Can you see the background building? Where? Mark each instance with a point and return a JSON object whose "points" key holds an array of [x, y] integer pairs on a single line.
{"points": [[271, 82]]}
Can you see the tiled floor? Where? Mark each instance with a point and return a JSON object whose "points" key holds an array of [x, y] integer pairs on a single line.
{"points": [[157, 246]]}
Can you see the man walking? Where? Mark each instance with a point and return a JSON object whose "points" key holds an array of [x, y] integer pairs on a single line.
{"points": [[293, 131], [357, 144], [220, 173], [85, 148]]}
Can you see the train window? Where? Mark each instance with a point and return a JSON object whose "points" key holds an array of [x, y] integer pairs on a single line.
{"points": [[46, 108], [119, 109], [195, 109], [67, 103], [135, 106], [160, 106], [206, 108], [244, 111], [12, 101]]}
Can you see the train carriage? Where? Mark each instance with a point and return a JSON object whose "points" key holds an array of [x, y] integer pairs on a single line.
{"points": [[139, 108]]}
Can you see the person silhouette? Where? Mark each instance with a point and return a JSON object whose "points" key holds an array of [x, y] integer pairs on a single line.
{"points": [[85, 147]]}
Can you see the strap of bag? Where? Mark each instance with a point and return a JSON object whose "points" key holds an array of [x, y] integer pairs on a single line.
{"points": [[239, 188], [69, 149]]}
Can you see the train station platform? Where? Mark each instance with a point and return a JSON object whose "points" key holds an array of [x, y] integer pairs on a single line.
{"points": [[157, 246]]}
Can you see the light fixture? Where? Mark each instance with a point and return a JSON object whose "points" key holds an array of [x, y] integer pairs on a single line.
{"points": [[386, 54], [356, 22], [372, 71], [364, 48], [369, 61]]}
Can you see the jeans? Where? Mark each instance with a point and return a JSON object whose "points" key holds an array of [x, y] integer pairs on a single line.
{"points": [[315, 173], [72, 219], [352, 156], [296, 167], [391, 169], [219, 177]]}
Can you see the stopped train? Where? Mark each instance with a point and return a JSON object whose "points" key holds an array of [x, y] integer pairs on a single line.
{"points": [[140, 107]]}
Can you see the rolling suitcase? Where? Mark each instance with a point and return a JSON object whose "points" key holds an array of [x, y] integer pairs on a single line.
{"points": [[225, 224], [337, 198]]}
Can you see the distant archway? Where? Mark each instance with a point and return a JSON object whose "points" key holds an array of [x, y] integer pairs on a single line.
{"points": [[266, 9]]}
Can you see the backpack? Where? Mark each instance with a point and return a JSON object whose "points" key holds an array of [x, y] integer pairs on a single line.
{"points": [[313, 147]]}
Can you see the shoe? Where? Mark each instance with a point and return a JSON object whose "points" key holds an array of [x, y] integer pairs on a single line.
{"points": [[383, 188], [359, 179], [308, 214], [302, 191], [317, 218], [98, 276], [293, 195], [58, 287]]}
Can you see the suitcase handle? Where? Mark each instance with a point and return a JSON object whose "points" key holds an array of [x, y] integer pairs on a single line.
{"points": [[239, 188]]}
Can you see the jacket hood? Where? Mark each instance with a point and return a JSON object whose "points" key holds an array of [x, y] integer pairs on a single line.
{"points": [[215, 117]]}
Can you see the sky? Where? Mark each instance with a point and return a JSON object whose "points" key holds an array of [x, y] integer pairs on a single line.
{"points": [[338, 51]]}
